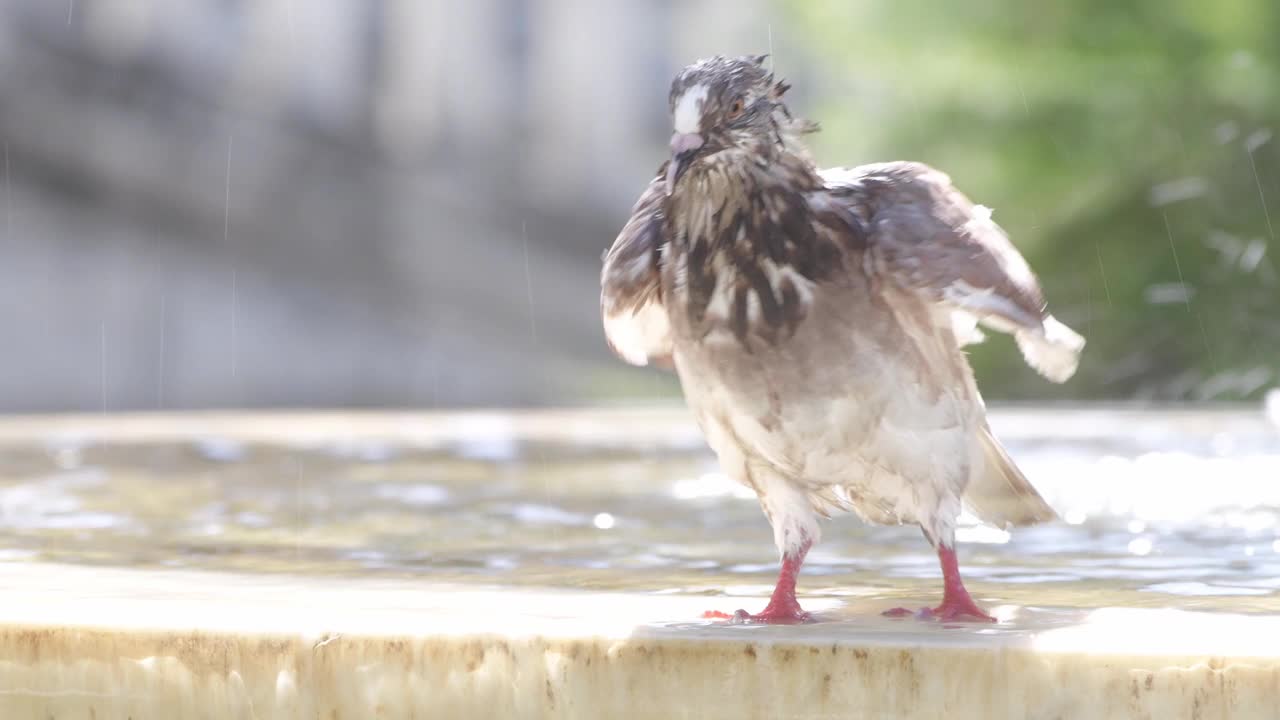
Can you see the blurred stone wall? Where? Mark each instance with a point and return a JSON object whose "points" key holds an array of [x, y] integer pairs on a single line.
{"points": [[283, 203]]}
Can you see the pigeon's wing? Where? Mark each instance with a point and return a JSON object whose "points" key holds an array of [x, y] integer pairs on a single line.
{"points": [[925, 237], [635, 320]]}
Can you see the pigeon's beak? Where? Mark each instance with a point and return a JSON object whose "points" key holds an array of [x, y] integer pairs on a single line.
{"points": [[683, 146]]}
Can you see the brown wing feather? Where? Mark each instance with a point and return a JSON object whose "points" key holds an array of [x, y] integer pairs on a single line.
{"points": [[926, 237], [1001, 495], [635, 321], [929, 242]]}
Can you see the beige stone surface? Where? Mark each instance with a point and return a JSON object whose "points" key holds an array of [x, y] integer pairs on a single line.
{"points": [[82, 642]]}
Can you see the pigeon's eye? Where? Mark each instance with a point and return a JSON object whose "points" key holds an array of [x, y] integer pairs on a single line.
{"points": [[735, 110]]}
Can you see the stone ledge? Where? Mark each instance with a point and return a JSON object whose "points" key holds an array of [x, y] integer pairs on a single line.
{"points": [[78, 642]]}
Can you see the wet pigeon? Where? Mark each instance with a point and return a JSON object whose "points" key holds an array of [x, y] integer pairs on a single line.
{"points": [[816, 318]]}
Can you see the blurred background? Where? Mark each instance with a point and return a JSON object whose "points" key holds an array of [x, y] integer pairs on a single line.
{"points": [[403, 203]]}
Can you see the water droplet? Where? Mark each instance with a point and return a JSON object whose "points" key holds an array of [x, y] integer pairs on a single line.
{"points": [[1140, 546], [221, 449], [603, 520]]}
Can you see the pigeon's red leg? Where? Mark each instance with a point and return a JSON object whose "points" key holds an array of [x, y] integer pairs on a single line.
{"points": [[783, 608], [956, 602]]}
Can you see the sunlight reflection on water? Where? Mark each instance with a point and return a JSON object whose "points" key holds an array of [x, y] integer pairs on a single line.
{"points": [[1153, 505]]}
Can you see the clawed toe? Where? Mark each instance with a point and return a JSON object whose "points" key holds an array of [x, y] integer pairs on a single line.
{"points": [[899, 612], [957, 605], [944, 613], [961, 613], [794, 616]]}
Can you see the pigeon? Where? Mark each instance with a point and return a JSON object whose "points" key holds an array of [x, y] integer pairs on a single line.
{"points": [[816, 319]]}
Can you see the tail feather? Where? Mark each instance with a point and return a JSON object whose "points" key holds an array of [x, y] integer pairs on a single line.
{"points": [[999, 494], [1053, 349]]}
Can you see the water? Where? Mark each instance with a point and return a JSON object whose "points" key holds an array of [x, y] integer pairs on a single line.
{"points": [[1160, 509]]}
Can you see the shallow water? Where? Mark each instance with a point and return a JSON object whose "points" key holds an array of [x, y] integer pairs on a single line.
{"points": [[1176, 509]]}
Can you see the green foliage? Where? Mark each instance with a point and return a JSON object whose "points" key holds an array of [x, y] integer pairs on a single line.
{"points": [[1127, 148]]}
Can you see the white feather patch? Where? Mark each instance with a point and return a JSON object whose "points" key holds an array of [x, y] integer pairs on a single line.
{"points": [[688, 113], [1054, 352], [965, 326], [803, 285], [720, 306], [851, 177], [638, 336], [791, 513]]}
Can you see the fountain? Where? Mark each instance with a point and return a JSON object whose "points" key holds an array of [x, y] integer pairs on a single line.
{"points": [[557, 563]]}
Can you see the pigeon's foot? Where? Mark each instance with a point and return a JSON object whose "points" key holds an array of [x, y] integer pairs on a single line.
{"points": [[949, 611], [963, 608], [771, 615], [957, 604], [783, 608]]}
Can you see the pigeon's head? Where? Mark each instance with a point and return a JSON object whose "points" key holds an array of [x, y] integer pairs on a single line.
{"points": [[720, 103]]}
